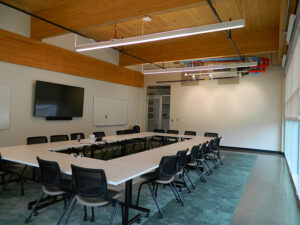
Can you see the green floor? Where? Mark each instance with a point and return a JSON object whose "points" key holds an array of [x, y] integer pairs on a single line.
{"points": [[213, 202]]}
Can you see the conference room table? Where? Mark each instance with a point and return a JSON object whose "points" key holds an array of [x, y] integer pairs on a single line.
{"points": [[118, 170]]}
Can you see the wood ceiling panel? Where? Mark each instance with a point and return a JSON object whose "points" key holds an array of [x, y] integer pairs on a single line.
{"points": [[80, 14], [36, 5], [197, 16], [197, 47]]}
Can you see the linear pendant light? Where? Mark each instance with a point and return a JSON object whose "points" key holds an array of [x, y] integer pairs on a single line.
{"points": [[200, 68], [163, 35]]}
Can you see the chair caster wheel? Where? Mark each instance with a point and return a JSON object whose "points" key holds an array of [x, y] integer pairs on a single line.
{"points": [[139, 221], [147, 215], [35, 213]]}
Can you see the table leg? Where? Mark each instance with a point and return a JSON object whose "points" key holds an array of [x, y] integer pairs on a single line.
{"points": [[128, 204]]}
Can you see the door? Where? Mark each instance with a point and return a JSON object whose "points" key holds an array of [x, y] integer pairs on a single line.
{"points": [[158, 112]]}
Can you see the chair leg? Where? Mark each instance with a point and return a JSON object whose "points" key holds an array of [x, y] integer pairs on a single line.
{"points": [[93, 215], [208, 167], [205, 168], [174, 192], [69, 215], [85, 213], [65, 209], [156, 188], [138, 196], [36, 204], [189, 190], [153, 196], [198, 171], [175, 188], [114, 212], [193, 186]]}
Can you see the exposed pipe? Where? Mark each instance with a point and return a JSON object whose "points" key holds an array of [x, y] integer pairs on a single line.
{"points": [[284, 28], [227, 33], [75, 32], [175, 81]]}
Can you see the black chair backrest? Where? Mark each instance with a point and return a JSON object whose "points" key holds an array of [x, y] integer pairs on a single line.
{"points": [[168, 166], [181, 158], [194, 152], [159, 130], [217, 141], [89, 182], [136, 129], [120, 132], [1, 161], [189, 132], [128, 131], [202, 150], [49, 172], [210, 134], [172, 131], [37, 140], [57, 138], [75, 135], [210, 146], [99, 134]]}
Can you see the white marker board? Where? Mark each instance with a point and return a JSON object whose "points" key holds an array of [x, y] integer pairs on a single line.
{"points": [[4, 106], [109, 111]]}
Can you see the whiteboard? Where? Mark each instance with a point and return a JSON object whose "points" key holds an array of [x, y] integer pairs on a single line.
{"points": [[109, 111], [4, 106]]}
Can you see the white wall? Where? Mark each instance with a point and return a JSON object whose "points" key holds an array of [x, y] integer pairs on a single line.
{"points": [[247, 114], [14, 21], [23, 124], [22, 81]]}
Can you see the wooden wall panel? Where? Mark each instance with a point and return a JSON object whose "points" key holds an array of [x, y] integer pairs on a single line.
{"points": [[29, 52]]}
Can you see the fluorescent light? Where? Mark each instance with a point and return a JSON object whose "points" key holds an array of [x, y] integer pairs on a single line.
{"points": [[163, 35], [200, 68]]}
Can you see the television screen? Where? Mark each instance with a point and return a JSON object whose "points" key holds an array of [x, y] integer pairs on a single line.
{"points": [[57, 100]]}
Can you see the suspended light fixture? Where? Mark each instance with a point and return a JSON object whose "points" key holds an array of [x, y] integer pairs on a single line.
{"points": [[163, 35], [200, 68]]}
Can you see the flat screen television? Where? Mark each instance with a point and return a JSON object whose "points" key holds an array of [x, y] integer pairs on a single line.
{"points": [[58, 101]]}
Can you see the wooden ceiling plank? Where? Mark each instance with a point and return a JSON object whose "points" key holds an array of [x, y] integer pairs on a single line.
{"points": [[199, 47], [91, 13]]}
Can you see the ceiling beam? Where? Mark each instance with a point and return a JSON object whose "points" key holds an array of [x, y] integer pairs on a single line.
{"points": [[25, 51], [78, 14], [204, 46]]}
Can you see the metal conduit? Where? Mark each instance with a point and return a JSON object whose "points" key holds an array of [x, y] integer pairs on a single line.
{"points": [[227, 33]]}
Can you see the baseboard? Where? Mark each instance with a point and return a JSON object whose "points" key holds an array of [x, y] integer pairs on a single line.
{"points": [[251, 150]]}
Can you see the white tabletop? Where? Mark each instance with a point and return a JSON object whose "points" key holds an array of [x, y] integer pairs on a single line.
{"points": [[117, 170]]}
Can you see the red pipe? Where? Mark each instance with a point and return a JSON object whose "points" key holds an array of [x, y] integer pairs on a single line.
{"points": [[257, 71]]}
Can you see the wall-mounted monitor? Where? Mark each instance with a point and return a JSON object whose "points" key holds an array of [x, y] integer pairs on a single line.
{"points": [[58, 101]]}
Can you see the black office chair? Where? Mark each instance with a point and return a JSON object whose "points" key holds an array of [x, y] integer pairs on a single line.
{"points": [[52, 184], [182, 170], [32, 141], [90, 188], [211, 134], [57, 138], [216, 149], [120, 132], [159, 140], [210, 154], [9, 170], [171, 140], [202, 159], [99, 134], [74, 136], [37, 140], [165, 175], [188, 132], [193, 163]]}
